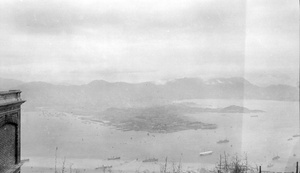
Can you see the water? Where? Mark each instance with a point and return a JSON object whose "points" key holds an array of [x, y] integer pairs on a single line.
{"points": [[88, 144]]}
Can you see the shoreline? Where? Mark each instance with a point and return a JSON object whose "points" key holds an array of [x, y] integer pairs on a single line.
{"points": [[132, 166], [93, 165]]}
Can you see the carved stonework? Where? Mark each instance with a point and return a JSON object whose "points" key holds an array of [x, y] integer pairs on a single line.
{"points": [[10, 103], [8, 108]]}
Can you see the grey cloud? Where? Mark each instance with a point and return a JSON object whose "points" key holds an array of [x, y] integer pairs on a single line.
{"points": [[122, 39], [56, 17], [61, 16]]}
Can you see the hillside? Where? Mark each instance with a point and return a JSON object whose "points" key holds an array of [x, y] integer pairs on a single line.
{"points": [[9, 84], [162, 119], [100, 95]]}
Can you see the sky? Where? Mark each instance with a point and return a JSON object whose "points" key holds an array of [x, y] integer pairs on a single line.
{"points": [[149, 40]]}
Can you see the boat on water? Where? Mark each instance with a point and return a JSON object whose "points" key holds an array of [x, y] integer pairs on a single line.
{"points": [[290, 139], [114, 158], [296, 136], [150, 160], [254, 115], [104, 167], [223, 141], [275, 158], [206, 153]]}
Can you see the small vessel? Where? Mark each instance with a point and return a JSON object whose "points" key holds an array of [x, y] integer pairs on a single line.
{"points": [[223, 141], [275, 158], [296, 136], [206, 153], [290, 139], [114, 158], [150, 160], [104, 167], [254, 115]]}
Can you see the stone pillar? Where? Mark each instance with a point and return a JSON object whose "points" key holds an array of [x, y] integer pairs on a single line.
{"points": [[10, 133]]}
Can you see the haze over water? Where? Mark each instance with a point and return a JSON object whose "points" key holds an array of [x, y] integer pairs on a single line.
{"points": [[88, 144]]}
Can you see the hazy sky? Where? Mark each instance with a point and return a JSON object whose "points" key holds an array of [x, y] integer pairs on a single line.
{"points": [[157, 40]]}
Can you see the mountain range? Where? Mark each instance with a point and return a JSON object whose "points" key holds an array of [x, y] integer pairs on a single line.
{"points": [[100, 94]]}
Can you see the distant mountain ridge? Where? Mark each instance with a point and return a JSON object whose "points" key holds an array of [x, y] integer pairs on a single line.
{"points": [[100, 94], [7, 84]]}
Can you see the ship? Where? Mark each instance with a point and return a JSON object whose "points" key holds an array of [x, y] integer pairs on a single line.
{"points": [[296, 136], [104, 167], [114, 158], [150, 160], [275, 158], [223, 141], [206, 153]]}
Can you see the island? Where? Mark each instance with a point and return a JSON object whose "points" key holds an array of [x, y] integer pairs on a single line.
{"points": [[162, 119]]}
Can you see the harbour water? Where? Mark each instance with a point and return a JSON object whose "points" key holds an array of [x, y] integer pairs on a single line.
{"points": [[87, 144]]}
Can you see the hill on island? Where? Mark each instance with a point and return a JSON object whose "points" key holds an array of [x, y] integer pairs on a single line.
{"points": [[162, 119], [238, 109]]}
